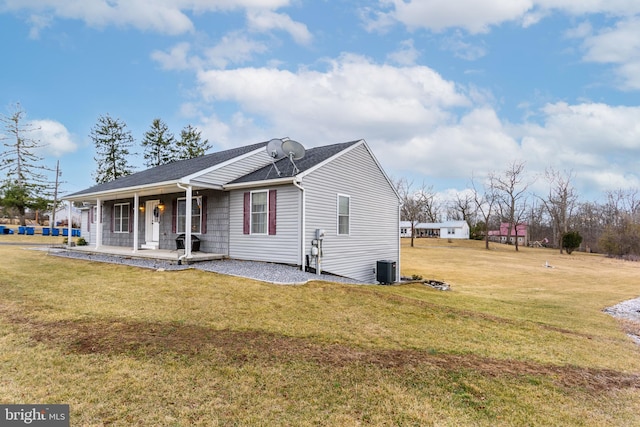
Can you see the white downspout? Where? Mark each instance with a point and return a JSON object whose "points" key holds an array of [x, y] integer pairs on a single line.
{"points": [[136, 221], [187, 219], [98, 223], [304, 226]]}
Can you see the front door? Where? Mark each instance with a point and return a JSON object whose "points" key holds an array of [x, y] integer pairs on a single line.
{"points": [[152, 223]]}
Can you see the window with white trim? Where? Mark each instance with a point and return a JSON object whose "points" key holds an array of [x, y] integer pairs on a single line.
{"points": [[451, 231], [344, 210], [94, 214], [121, 217], [259, 212], [196, 215]]}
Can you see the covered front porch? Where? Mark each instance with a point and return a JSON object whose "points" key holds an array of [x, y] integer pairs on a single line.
{"points": [[176, 256]]}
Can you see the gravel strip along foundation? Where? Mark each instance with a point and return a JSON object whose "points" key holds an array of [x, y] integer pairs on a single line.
{"points": [[263, 271]]}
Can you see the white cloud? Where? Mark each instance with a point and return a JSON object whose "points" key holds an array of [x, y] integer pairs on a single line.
{"points": [[235, 48], [407, 54], [54, 137], [351, 95], [618, 45], [422, 125], [464, 50], [478, 16], [176, 59], [475, 16], [168, 17], [266, 20]]}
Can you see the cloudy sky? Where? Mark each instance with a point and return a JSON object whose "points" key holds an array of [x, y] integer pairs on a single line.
{"points": [[440, 89]]}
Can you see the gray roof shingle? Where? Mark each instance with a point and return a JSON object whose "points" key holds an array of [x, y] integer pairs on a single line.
{"points": [[171, 171], [313, 156], [182, 168]]}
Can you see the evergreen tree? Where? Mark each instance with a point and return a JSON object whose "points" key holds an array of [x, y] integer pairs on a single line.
{"points": [[25, 185], [112, 141], [159, 145], [571, 241], [191, 144]]}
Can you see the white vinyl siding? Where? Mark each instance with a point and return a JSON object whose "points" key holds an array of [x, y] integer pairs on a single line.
{"points": [[282, 247], [121, 218], [236, 169], [374, 215]]}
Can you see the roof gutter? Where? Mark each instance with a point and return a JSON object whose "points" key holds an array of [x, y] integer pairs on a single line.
{"points": [[253, 184]]}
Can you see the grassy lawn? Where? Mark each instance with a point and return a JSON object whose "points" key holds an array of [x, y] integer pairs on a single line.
{"points": [[513, 343]]}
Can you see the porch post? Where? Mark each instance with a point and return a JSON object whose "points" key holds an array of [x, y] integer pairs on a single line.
{"points": [[136, 210], [187, 225], [69, 224], [98, 223]]}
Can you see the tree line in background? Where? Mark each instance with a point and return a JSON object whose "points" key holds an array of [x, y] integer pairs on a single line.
{"points": [[113, 142], [27, 185], [557, 219]]}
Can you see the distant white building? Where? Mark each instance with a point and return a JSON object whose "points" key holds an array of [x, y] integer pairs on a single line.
{"points": [[448, 229], [62, 215]]}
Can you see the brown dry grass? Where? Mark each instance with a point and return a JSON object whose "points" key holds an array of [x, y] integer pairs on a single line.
{"points": [[125, 346]]}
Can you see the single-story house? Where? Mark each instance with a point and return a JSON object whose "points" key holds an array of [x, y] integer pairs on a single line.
{"points": [[502, 235], [312, 209], [448, 229]]}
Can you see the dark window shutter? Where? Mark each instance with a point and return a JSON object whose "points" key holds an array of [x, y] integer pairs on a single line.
{"points": [[131, 218], [247, 213], [113, 217], [272, 212], [203, 215], [90, 218], [174, 215]]}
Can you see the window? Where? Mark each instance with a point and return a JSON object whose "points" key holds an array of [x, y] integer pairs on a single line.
{"points": [[259, 212], [94, 214], [121, 218], [451, 231], [196, 215], [343, 214]]}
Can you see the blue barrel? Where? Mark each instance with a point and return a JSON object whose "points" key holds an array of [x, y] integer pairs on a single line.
{"points": [[22, 230], [30, 231], [65, 231], [46, 231], [55, 231]]}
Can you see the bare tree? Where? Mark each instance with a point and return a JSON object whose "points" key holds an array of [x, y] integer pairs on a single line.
{"points": [[511, 189], [485, 200], [561, 202], [462, 207], [414, 203]]}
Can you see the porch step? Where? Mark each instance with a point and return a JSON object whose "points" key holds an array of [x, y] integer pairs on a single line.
{"points": [[152, 246]]}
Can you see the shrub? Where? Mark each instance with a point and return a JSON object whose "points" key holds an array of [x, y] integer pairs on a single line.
{"points": [[81, 241], [571, 241]]}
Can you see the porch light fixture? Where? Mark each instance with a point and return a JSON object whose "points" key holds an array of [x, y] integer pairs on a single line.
{"points": [[141, 208], [161, 206]]}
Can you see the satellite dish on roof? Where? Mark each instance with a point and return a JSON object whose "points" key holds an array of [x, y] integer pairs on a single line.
{"points": [[293, 149], [274, 149]]}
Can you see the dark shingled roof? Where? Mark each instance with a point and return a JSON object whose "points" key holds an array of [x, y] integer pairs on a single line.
{"points": [[171, 171], [313, 156]]}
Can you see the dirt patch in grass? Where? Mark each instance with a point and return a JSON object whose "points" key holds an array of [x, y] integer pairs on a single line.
{"points": [[147, 339]]}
